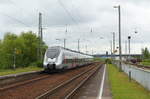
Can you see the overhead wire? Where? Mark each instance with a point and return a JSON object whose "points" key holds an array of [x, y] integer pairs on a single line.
{"points": [[13, 18], [69, 14], [20, 8]]}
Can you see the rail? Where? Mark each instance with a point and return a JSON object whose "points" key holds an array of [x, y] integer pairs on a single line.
{"points": [[24, 82], [73, 91], [63, 85]]}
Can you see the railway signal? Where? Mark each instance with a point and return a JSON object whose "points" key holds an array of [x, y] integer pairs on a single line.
{"points": [[129, 38]]}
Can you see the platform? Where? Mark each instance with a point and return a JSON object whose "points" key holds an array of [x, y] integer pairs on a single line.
{"points": [[97, 87]]}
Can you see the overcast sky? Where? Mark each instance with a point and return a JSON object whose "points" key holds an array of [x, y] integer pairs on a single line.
{"points": [[79, 16]]}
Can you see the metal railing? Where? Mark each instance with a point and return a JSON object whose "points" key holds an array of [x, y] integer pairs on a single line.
{"points": [[140, 75]]}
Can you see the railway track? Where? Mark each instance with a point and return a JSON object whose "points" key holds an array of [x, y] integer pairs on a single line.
{"points": [[139, 65], [34, 88], [67, 89], [41, 77], [15, 78], [143, 67]]}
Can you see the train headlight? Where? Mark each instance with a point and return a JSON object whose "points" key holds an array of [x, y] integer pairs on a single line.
{"points": [[49, 60]]}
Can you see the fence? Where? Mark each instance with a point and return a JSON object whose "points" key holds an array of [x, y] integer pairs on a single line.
{"points": [[142, 76]]}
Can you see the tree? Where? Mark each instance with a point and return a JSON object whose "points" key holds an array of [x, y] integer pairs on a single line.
{"points": [[24, 47], [8, 45], [145, 53]]}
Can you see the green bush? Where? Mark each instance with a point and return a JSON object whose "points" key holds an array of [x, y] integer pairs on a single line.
{"points": [[23, 46], [37, 63], [108, 61], [33, 64], [146, 60], [99, 59]]}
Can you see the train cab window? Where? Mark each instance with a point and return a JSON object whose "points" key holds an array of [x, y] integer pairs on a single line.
{"points": [[53, 52]]}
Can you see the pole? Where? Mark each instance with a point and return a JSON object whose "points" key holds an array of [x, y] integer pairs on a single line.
{"points": [[120, 52], [40, 36], [41, 41], [86, 49], [66, 29], [64, 43], [78, 45], [119, 29], [114, 42], [111, 48], [14, 66], [38, 49], [39, 31], [129, 46], [41, 27], [126, 48], [65, 37], [92, 52]]}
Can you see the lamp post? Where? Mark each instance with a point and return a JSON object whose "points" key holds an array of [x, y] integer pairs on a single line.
{"points": [[119, 30]]}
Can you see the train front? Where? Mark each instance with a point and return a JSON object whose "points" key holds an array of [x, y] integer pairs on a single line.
{"points": [[51, 58]]}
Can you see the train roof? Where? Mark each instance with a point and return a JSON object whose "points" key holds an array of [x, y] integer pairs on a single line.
{"points": [[69, 50]]}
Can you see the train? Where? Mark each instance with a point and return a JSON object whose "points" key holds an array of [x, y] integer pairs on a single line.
{"points": [[60, 58]]}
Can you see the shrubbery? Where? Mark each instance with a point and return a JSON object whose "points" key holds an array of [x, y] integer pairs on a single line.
{"points": [[145, 53], [37, 63], [99, 59], [146, 60], [108, 61]]}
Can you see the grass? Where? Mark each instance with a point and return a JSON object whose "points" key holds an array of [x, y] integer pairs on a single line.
{"points": [[123, 89], [145, 63], [98, 59], [19, 70]]}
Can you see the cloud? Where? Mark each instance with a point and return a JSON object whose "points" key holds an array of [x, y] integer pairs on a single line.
{"points": [[5, 2], [80, 16]]}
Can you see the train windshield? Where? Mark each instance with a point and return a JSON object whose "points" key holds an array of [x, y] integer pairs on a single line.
{"points": [[53, 52]]}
